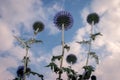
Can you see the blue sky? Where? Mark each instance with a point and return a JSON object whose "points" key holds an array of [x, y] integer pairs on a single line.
{"points": [[18, 16]]}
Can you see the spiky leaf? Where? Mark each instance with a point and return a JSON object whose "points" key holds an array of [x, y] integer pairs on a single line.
{"points": [[32, 41], [88, 68], [88, 71], [68, 70], [93, 36], [56, 57], [67, 47], [53, 67], [83, 42], [93, 54], [39, 75]]}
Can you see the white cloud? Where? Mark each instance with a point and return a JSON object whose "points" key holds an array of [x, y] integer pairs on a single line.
{"points": [[6, 39], [5, 64], [27, 12], [109, 66], [50, 25], [104, 5]]}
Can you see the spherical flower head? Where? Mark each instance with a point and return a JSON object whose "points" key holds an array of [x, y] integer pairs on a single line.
{"points": [[93, 77], [20, 71], [63, 18], [93, 17], [71, 59], [38, 27]]}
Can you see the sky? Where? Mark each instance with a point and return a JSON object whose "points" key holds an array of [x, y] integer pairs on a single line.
{"points": [[18, 16]]}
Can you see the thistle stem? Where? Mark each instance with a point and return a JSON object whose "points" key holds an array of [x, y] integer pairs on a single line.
{"points": [[90, 44], [25, 63], [62, 50]]}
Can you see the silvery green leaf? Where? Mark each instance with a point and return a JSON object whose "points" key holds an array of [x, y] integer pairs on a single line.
{"points": [[39, 75], [93, 36], [88, 68], [31, 41], [22, 42], [67, 47], [68, 70], [93, 54], [83, 42], [56, 57]]}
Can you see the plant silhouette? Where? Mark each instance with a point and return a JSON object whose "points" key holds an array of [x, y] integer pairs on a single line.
{"points": [[63, 21]]}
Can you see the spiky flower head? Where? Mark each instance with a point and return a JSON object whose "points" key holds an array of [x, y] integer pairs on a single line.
{"points": [[20, 71], [93, 17], [63, 18], [93, 77], [38, 27], [71, 59]]}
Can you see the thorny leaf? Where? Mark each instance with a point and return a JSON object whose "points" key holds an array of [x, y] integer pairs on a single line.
{"points": [[88, 68], [54, 67], [72, 77], [26, 44], [87, 74], [83, 42], [93, 54], [93, 36], [68, 70], [39, 75], [88, 71], [56, 57], [22, 42], [31, 41], [67, 47]]}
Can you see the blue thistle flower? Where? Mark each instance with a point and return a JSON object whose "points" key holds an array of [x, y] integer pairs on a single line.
{"points": [[93, 77], [38, 27], [93, 17], [71, 59], [63, 17], [20, 71]]}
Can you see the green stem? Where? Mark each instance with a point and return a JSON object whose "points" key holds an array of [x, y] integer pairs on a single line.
{"points": [[25, 63], [90, 44], [62, 50]]}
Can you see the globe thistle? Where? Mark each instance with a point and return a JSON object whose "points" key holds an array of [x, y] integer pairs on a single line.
{"points": [[63, 18], [93, 77], [71, 59], [20, 71], [38, 27], [93, 17]]}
